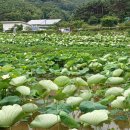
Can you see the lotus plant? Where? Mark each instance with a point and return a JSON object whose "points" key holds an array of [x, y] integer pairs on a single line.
{"points": [[18, 81], [116, 91], [119, 102], [74, 101], [29, 107], [9, 115], [23, 90], [45, 121], [48, 85], [95, 117]]}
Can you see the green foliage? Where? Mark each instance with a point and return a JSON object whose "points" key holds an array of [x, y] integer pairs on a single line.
{"points": [[57, 108], [127, 23], [101, 8], [20, 10], [88, 57], [109, 21], [89, 106], [1, 27], [10, 100], [19, 27], [93, 20], [68, 120]]}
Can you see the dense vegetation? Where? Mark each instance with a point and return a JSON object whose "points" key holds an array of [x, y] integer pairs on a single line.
{"points": [[36, 9], [64, 79], [79, 80], [87, 10]]}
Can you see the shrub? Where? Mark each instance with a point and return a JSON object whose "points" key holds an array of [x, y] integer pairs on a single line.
{"points": [[1, 27], [93, 20], [109, 21], [19, 27], [127, 23], [128, 32], [28, 28]]}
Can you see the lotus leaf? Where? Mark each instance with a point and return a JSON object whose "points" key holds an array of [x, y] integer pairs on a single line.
{"points": [[96, 79], [23, 90], [119, 102], [117, 72], [29, 107], [62, 81], [45, 121], [74, 101], [115, 80], [79, 82], [95, 117], [89, 106], [18, 81], [9, 115], [48, 85], [116, 91], [69, 89], [86, 94], [68, 120]]}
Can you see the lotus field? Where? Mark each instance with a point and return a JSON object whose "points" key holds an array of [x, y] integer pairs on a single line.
{"points": [[81, 82]]}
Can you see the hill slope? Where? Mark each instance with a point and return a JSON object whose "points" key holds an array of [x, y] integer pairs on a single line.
{"points": [[36, 9]]}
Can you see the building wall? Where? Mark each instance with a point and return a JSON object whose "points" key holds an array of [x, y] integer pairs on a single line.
{"points": [[8, 26]]}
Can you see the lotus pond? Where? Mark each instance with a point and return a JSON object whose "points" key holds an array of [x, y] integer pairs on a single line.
{"points": [[68, 82]]}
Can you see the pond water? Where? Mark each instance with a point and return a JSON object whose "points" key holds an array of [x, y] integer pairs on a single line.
{"points": [[120, 125]]}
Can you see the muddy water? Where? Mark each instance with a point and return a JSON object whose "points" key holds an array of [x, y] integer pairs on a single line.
{"points": [[112, 126]]}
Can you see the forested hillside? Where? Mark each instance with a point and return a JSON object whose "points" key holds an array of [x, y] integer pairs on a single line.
{"points": [[87, 10], [36, 9]]}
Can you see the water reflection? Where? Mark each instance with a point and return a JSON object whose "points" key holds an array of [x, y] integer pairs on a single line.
{"points": [[119, 125]]}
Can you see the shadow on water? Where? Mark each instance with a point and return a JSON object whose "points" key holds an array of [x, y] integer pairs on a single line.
{"points": [[119, 125]]}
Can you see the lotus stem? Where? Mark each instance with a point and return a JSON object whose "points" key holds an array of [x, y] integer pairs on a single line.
{"points": [[127, 115], [58, 126], [98, 128], [81, 127], [108, 127], [10, 128]]}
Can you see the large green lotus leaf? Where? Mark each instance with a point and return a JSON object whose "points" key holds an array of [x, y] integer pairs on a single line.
{"points": [[79, 82], [45, 121], [18, 81], [83, 71], [65, 71], [23, 90], [119, 102], [89, 106], [95, 66], [96, 79], [9, 115], [86, 94], [107, 100], [4, 84], [68, 120], [117, 72], [126, 93], [74, 101], [40, 71], [29, 107], [68, 90], [59, 95], [7, 68], [48, 85], [62, 81], [56, 108], [115, 80], [116, 91], [95, 117], [10, 100]]}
